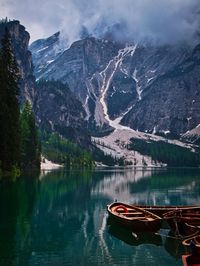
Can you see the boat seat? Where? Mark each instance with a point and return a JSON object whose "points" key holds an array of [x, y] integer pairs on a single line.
{"points": [[133, 213], [149, 219]]}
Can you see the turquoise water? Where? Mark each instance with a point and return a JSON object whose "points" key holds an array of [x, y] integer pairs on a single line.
{"points": [[60, 217]]}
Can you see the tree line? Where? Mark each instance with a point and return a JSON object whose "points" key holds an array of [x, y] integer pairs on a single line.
{"points": [[19, 143], [161, 151], [61, 150]]}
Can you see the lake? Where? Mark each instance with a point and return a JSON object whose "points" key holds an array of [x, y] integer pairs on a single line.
{"points": [[60, 218]]}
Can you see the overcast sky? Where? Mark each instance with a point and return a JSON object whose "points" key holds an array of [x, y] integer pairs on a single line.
{"points": [[162, 20]]}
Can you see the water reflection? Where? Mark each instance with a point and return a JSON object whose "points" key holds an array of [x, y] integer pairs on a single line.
{"points": [[151, 186], [173, 245], [16, 209], [129, 238], [61, 218]]}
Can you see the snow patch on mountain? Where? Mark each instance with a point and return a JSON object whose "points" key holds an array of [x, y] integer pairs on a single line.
{"points": [[107, 76], [138, 88]]}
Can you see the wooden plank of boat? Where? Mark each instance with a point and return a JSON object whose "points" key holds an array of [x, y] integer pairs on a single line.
{"points": [[134, 217], [188, 230], [161, 210], [193, 243], [189, 260]]}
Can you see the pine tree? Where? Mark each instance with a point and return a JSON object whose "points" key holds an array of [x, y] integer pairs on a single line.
{"points": [[9, 109], [30, 145]]}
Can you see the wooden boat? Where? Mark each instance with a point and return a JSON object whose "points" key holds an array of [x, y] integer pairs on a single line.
{"points": [[190, 260], [173, 245], [162, 210], [190, 230], [193, 244], [179, 218], [134, 218]]}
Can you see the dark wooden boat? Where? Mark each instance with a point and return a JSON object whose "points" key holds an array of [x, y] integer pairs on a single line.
{"points": [[178, 219], [173, 245], [190, 260], [162, 210], [190, 230], [134, 218], [193, 244]]}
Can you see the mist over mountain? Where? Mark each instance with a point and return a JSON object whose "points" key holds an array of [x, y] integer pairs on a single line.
{"points": [[150, 88], [162, 22], [117, 85]]}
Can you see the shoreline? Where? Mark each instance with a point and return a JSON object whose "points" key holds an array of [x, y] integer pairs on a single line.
{"points": [[47, 165]]}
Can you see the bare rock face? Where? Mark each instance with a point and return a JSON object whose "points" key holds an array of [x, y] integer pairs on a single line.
{"points": [[59, 111], [46, 51], [171, 103], [55, 106], [154, 89], [20, 41]]}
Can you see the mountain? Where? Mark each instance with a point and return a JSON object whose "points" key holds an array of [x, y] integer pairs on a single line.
{"points": [[20, 41], [45, 51], [171, 102], [76, 66], [59, 111], [56, 107], [154, 89], [124, 91]]}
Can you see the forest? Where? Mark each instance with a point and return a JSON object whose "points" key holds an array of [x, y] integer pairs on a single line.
{"points": [[161, 151], [20, 145], [63, 151]]}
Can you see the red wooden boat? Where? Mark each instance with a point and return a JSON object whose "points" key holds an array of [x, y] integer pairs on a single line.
{"points": [[190, 260], [134, 218], [193, 244]]}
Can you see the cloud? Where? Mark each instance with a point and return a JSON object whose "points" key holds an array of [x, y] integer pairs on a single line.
{"points": [[163, 21]]}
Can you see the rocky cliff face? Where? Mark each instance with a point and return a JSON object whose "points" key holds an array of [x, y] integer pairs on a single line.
{"points": [[45, 51], [78, 67], [20, 41], [56, 107], [59, 111], [149, 88], [171, 102]]}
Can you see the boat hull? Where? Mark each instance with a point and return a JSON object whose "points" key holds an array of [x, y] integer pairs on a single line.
{"points": [[139, 224], [183, 221], [190, 260], [192, 245]]}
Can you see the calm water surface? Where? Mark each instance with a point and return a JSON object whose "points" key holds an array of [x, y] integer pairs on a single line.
{"points": [[60, 218]]}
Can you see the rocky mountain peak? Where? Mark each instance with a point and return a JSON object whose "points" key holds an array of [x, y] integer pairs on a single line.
{"points": [[20, 40], [140, 85]]}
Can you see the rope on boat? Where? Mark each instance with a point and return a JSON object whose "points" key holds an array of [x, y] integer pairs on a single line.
{"points": [[179, 236], [173, 237]]}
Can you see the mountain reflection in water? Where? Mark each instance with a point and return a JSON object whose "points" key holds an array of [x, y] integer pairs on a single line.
{"points": [[61, 219]]}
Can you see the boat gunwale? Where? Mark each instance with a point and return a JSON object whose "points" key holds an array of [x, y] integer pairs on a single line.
{"points": [[182, 213], [133, 207], [187, 244], [189, 259]]}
